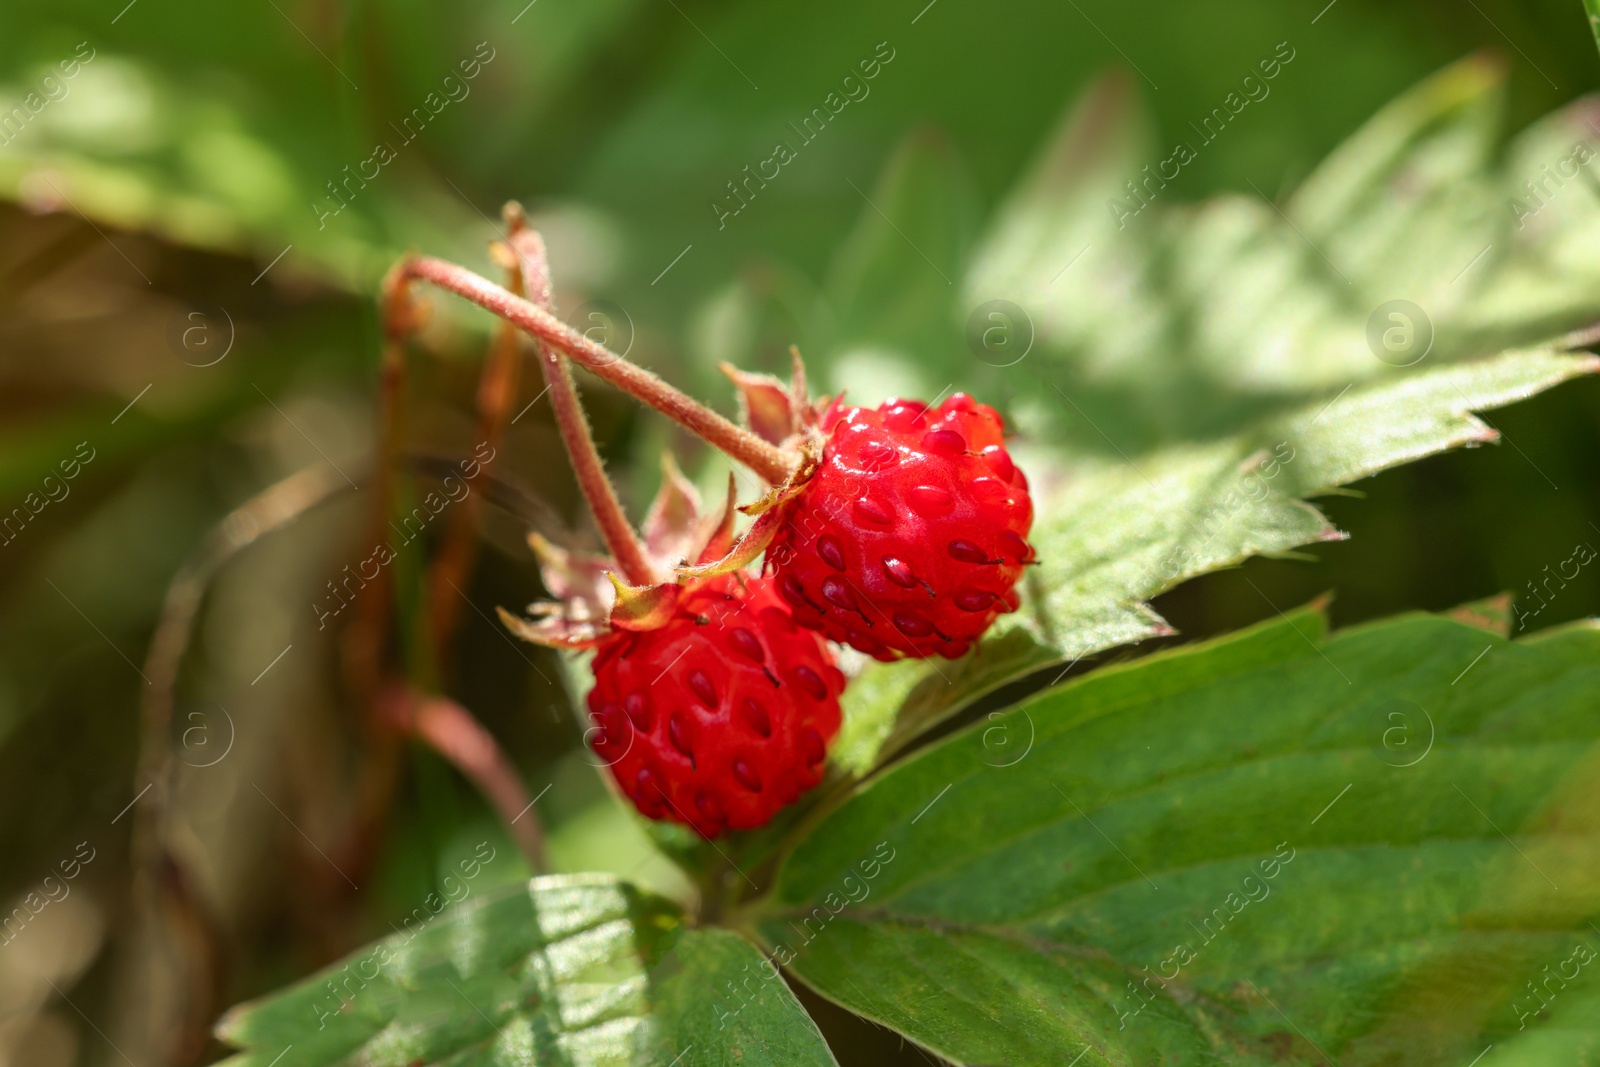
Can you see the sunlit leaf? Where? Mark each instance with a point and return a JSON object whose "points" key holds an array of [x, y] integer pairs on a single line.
{"points": [[1118, 531], [579, 969], [1278, 846]]}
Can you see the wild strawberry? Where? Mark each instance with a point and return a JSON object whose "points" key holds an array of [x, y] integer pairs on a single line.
{"points": [[710, 706], [910, 536], [720, 718], [899, 530]]}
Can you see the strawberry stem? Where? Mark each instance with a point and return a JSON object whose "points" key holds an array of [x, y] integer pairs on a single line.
{"points": [[533, 268], [754, 452]]}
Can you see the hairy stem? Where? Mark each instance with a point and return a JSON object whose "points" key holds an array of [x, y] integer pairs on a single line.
{"points": [[754, 452], [533, 268]]}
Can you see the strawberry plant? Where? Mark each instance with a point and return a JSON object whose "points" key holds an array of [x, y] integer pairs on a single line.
{"points": [[845, 717]]}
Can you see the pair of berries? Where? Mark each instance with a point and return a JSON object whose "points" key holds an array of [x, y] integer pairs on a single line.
{"points": [[900, 530], [711, 706]]}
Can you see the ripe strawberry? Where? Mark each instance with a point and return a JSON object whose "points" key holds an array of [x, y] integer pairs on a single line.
{"points": [[909, 537], [710, 706], [721, 717]]}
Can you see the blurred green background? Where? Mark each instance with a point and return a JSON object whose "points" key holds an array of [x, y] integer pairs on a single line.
{"points": [[179, 179]]}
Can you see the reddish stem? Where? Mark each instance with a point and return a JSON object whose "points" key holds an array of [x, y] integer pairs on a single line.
{"points": [[453, 732], [765, 459], [367, 638], [624, 544], [497, 391]]}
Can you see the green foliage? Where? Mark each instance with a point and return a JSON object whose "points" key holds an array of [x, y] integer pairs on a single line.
{"points": [[573, 970], [1122, 530], [170, 128], [1276, 846], [1246, 851], [1167, 322], [1417, 795], [1195, 373], [1208, 368]]}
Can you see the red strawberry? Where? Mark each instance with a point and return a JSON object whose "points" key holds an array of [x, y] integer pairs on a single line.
{"points": [[723, 715], [711, 707], [911, 534]]}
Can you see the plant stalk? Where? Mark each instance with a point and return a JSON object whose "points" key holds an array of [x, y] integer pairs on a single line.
{"points": [[767, 460], [453, 732], [532, 267]]}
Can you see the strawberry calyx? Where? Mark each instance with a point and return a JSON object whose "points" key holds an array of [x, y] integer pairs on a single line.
{"points": [[590, 598], [784, 415]]}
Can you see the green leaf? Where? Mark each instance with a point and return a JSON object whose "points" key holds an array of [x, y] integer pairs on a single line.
{"points": [[1367, 845], [571, 969], [727, 1007], [1403, 200], [1121, 531], [1118, 532], [1183, 322], [885, 708], [1491, 613], [921, 210], [889, 705], [1207, 368], [869, 706]]}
